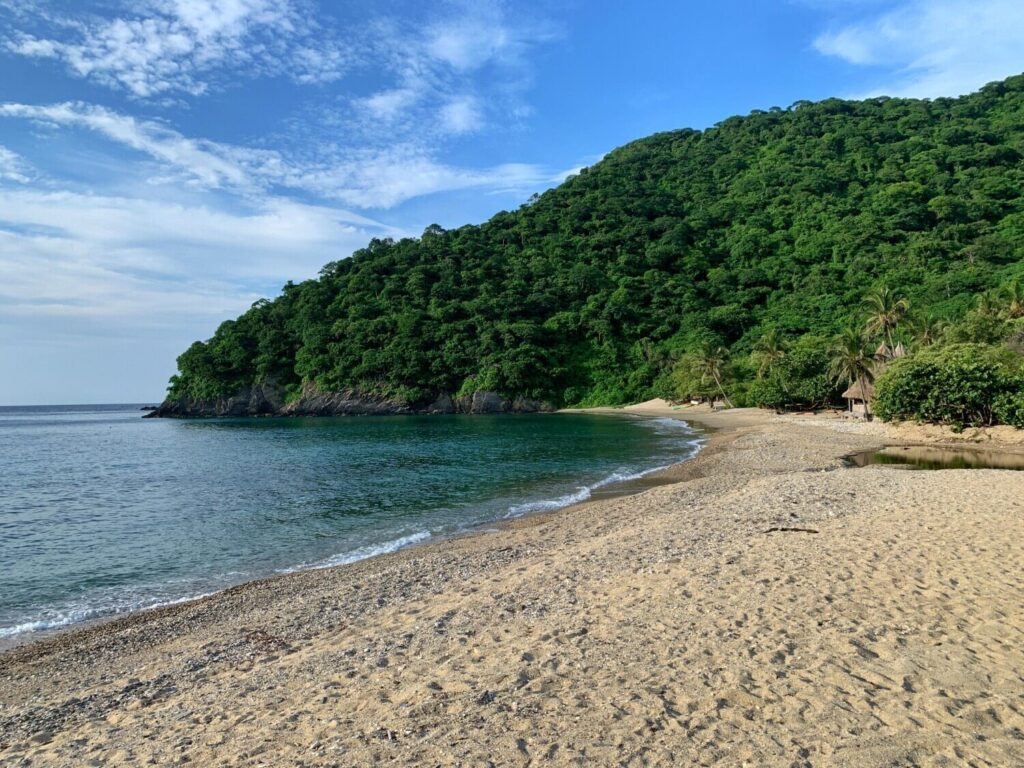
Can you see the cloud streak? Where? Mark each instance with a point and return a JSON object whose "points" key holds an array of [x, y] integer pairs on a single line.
{"points": [[934, 47], [451, 73], [166, 46], [119, 225], [82, 255], [12, 167], [362, 177]]}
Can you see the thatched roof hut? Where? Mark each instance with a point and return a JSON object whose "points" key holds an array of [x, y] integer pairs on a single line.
{"points": [[858, 395], [860, 392]]}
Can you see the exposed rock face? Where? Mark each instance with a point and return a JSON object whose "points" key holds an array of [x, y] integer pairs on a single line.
{"points": [[492, 402], [443, 404], [268, 400], [257, 400], [481, 402], [344, 403]]}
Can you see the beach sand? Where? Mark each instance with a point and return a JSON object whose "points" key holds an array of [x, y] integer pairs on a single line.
{"points": [[771, 607]]}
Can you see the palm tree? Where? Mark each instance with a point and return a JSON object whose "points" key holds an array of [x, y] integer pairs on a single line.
{"points": [[767, 352], [927, 329], [852, 362], [1013, 299], [709, 362], [886, 311], [986, 304]]}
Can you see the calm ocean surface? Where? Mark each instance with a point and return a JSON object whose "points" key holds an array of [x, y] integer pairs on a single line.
{"points": [[102, 512]]}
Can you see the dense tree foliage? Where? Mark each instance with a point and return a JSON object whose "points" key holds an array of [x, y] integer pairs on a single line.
{"points": [[962, 385], [666, 262], [803, 376]]}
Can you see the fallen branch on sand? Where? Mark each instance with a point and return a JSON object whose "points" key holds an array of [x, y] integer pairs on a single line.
{"points": [[781, 529]]}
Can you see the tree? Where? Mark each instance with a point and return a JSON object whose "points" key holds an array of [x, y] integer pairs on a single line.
{"points": [[852, 361], [962, 385], [768, 351], [798, 380], [589, 293], [886, 311], [985, 304], [710, 362], [1012, 295], [927, 329]]}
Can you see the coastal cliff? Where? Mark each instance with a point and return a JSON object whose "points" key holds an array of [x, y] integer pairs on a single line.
{"points": [[268, 400]]}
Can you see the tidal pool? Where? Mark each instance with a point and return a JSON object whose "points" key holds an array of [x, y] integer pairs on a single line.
{"points": [[933, 457]]}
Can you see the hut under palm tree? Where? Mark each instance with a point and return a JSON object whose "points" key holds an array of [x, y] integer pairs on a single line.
{"points": [[857, 397], [862, 391]]}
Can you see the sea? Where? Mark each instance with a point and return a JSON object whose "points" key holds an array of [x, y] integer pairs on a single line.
{"points": [[103, 512]]}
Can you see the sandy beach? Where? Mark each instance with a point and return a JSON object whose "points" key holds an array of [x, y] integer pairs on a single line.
{"points": [[770, 606]]}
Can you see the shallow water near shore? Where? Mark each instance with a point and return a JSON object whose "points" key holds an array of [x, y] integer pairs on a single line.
{"points": [[102, 513]]}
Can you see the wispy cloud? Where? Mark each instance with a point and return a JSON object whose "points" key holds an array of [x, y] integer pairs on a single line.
{"points": [[450, 71], [478, 34], [461, 114], [375, 177], [101, 293], [934, 47], [163, 46], [12, 167], [465, 67], [117, 220], [204, 162], [84, 255]]}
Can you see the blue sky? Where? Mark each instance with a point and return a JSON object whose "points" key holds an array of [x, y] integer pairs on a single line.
{"points": [[164, 163]]}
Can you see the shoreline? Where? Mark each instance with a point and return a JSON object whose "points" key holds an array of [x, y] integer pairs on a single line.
{"points": [[615, 489], [770, 605]]}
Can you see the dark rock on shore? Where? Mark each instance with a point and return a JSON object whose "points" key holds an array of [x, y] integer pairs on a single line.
{"points": [[257, 400], [492, 402], [268, 400], [344, 403]]}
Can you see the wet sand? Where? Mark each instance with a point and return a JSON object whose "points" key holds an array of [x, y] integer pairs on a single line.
{"points": [[771, 606]]}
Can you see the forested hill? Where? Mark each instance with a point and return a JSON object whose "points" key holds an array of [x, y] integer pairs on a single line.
{"points": [[591, 292]]}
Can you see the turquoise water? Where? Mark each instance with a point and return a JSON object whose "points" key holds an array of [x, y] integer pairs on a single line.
{"points": [[102, 512]]}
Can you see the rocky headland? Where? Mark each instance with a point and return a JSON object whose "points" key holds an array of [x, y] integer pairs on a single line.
{"points": [[269, 400]]}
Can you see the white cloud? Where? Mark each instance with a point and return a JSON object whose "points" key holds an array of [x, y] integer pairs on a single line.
{"points": [[468, 43], [462, 114], [477, 34], [80, 255], [165, 46], [131, 281], [421, 69], [468, 62], [390, 104], [363, 177], [139, 235], [935, 47], [12, 167], [203, 161], [374, 179]]}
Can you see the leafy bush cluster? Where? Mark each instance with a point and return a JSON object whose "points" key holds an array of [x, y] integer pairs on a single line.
{"points": [[962, 385], [660, 268], [798, 380]]}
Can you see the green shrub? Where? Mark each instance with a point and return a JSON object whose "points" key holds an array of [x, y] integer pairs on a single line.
{"points": [[962, 385], [768, 392], [797, 380], [1009, 407], [689, 383]]}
